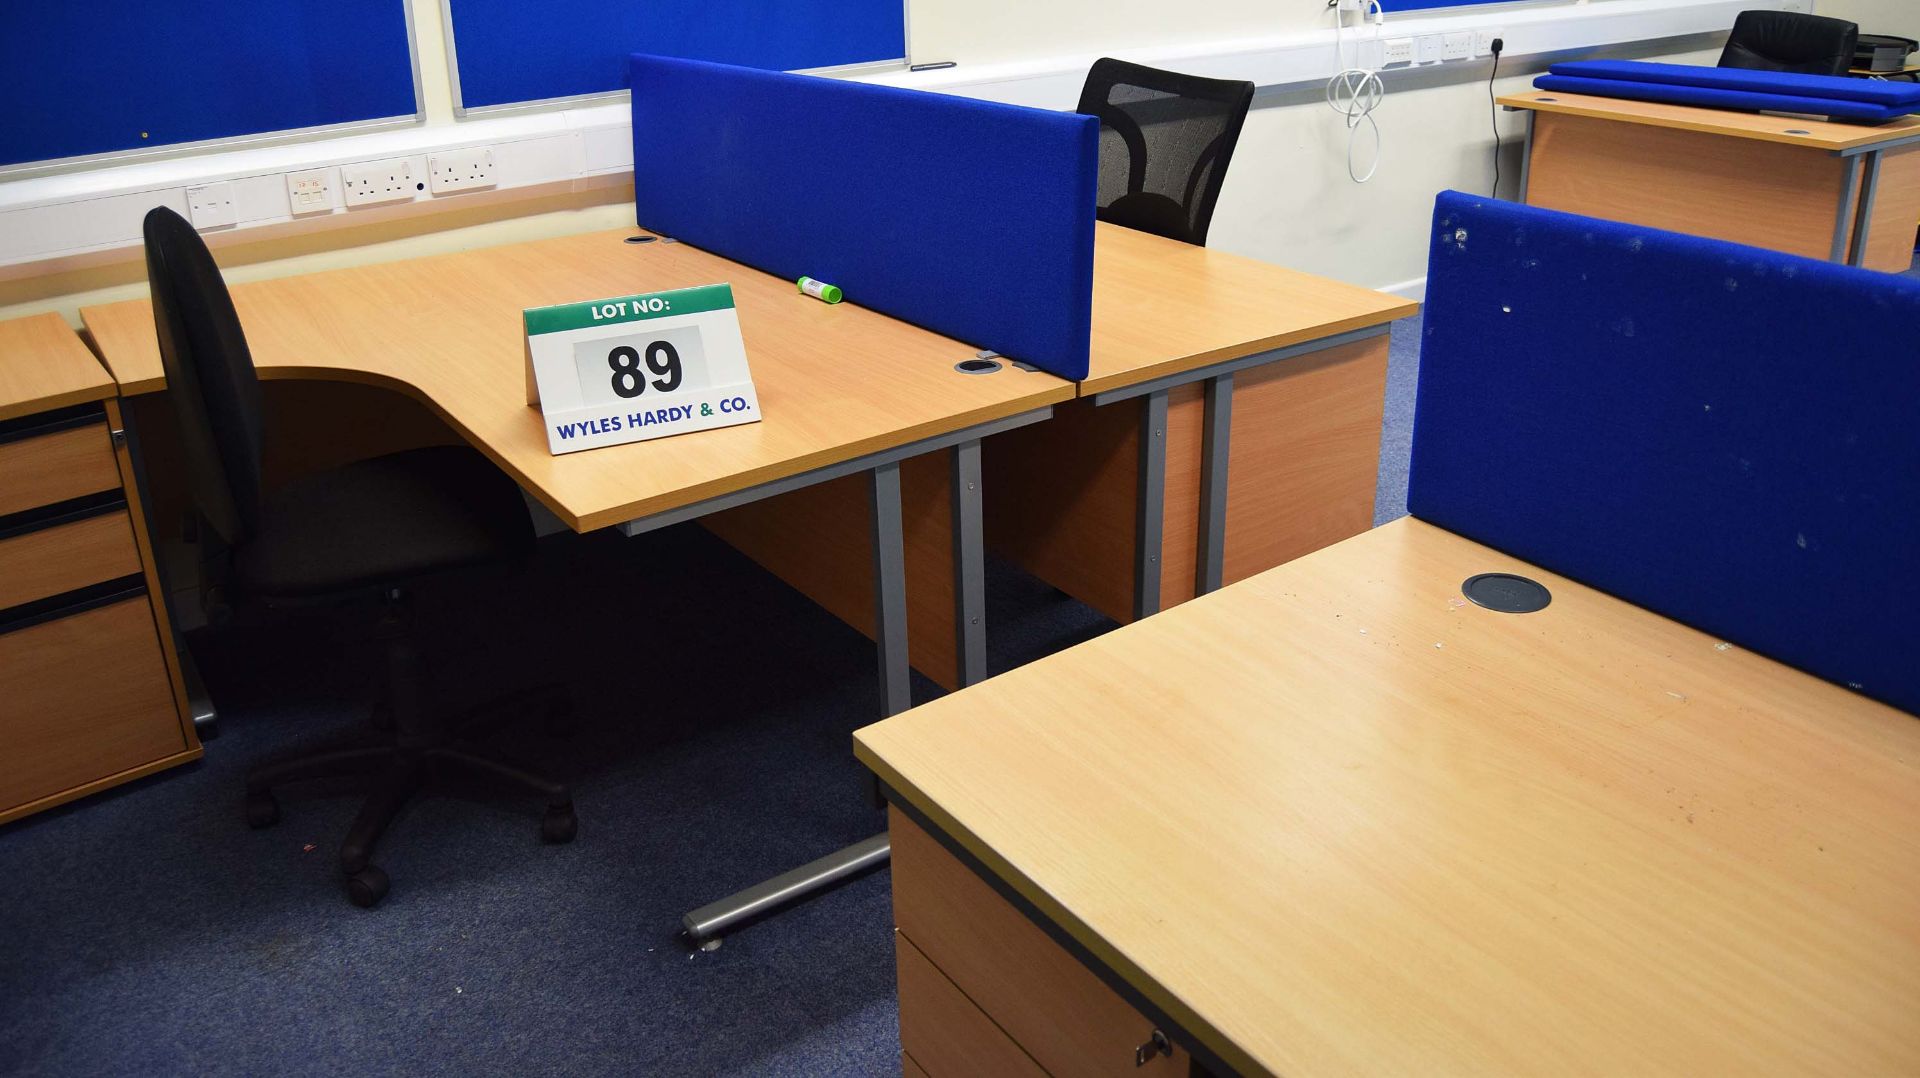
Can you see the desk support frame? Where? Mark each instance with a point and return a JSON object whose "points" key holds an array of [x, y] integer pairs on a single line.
{"points": [[1869, 187], [1526, 154], [1150, 514], [1843, 223], [713, 920], [1215, 438], [1216, 451]]}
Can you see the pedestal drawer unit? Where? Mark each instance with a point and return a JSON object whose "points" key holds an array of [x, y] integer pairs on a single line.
{"points": [[90, 687]]}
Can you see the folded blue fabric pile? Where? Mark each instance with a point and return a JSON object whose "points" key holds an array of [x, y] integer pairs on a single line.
{"points": [[1859, 100]]}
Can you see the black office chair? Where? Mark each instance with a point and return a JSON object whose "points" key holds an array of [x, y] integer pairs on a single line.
{"points": [[367, 532], [1165, 142], [1790, 41]]}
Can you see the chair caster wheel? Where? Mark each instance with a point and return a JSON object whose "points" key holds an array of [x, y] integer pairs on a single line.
{"points": [[559, 826], [367, 887], [262, 810]]}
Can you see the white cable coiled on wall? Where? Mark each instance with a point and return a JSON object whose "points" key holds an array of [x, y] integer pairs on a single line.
{"points": [[1356, 91]]}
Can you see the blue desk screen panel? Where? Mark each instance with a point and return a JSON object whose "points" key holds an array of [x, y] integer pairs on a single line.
{"points": [[78, 79], [1786, 83], [1721, 434], [970, 218], [1710, 97], [512, 51]]}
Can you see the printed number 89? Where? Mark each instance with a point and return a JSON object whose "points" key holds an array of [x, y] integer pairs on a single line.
{"points": [[630, 381]]}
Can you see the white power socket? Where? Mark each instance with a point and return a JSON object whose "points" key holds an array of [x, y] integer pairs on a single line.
{"points": [[1427, 48], [1457, 45], [1399, 50], [1483, 41], [371, 182], [460, 170], [310, 191], [211, 206]]}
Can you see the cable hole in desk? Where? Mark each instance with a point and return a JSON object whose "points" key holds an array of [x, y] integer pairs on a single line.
{"points": [[977, 366], [639, 239], [1548, 100], [1507, 593], [1796, 131]]}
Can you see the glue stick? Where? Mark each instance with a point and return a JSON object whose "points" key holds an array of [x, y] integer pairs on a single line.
{"points": [[820, 290]]}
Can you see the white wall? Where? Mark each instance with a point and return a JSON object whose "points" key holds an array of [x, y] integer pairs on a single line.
{"points": [[1898, 17], [1287, 198]]}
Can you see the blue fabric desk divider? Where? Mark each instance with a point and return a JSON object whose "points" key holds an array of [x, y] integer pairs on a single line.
{"points": [[1722, 434], [970, 218], [1711, 98], [1785, 83]]}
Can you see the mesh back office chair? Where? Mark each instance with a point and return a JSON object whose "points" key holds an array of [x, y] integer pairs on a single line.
{"points": [[1165, 142], [366, 533], [1790, 41]]}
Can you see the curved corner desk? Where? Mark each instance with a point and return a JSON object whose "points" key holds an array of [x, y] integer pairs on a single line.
{"points": [[863, 485]]}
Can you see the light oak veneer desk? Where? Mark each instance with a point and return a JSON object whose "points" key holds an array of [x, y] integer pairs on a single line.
{"points": [[1843, 192], [1335, 819], [846, 390]]}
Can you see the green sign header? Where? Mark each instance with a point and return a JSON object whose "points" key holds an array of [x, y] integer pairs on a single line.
{"points": [[607, 312]]}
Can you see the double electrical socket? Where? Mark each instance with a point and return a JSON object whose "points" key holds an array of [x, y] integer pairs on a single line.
{"points": [[371, 182], [460, 170]]}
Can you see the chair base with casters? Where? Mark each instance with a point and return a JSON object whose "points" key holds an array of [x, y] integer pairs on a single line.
{"points": [[417, 749]]}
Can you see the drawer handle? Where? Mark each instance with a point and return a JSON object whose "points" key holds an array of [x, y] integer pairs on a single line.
{"points": [[1156, 1045]]}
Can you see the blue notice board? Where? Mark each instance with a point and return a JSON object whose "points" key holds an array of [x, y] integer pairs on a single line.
{"points": [[91, 78], [510, 51]]}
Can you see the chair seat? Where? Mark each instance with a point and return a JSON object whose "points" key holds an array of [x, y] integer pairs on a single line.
{"points": [[385, 522]]}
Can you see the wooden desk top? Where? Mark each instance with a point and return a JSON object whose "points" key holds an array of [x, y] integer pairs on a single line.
{"points": [[1819, 134], [1161, 307], [1335, 819], [835, 382], [44, 365]]}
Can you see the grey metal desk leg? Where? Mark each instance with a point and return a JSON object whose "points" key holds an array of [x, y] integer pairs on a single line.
{"points": [[1215, 442], [969, 565], [1842, 219], [1149, 518], [1863, 221], [714, 919], [1526, 157], [890, 590]]}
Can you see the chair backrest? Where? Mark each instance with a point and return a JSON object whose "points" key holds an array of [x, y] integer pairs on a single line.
{"points": [[1165, 142], [210, 376], [1790, 41]]}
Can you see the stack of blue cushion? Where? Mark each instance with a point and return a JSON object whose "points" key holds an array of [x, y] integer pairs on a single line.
{"points": [[1835, 96]]}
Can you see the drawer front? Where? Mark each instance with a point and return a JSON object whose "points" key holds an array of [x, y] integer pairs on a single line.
{"points": [[41, 469], [65, 557], [82, 698], [1063, 1015], [944, 1032]]}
